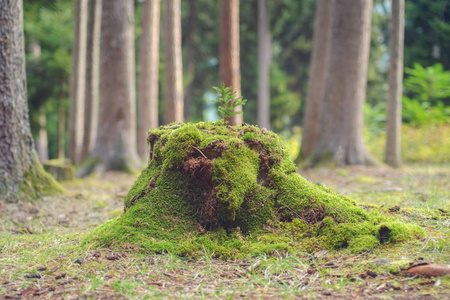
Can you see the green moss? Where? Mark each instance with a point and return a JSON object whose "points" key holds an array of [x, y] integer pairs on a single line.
{"points": [[366, 179], [179, 144], [232, 192], [396, 267], [37, 182], [234, 179], [401, 232], [362, 243]]}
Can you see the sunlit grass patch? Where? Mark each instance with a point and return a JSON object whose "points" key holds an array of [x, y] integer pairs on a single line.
{"points": [[423, 144]]}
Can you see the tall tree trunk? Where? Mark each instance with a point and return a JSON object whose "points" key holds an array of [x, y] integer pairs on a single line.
{"points": [[21, 174], [42, 140], [230, 70], [61, 127], [319, 63], [394, 109], [173, 87], [148, 79], [115, 145], [77, 84], [92, 77], [190, 60], [264, 58], [341, 128]]}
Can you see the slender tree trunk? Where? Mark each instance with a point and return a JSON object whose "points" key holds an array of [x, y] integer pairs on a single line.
{"points": [[77, 84], [115, 145], [394, 109], [61, 128], [173, 87], [341, 128], [190, 60], [42, 141], [148, 79], [319, 63], [264, 58], [230, 72], [132, 76], [21, 174], [92, 77]]}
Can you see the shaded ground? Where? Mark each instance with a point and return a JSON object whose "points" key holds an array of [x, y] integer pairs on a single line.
{"points": [[40, 257]]}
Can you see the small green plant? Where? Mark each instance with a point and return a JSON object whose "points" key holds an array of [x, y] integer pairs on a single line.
{"points": [[228, 101]]}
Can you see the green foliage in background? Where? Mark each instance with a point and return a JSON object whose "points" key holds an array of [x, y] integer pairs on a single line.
{"points": [[49, 24], [375, 117], [427, 33], [377, 85], [421, 113], [426, 92], [291, 26], [48, 45], [430, 84], [428, 89], [284, 102]]}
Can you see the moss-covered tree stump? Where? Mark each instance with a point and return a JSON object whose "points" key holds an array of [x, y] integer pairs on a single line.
{"points": [[234, 192], [60, 169]]}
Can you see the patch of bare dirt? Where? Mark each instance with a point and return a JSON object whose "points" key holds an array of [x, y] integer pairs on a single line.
{"points": [[348, 179], [86, 203]]}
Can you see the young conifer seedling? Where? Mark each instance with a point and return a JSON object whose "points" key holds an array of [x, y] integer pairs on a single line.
{"points": [[228, 101]]}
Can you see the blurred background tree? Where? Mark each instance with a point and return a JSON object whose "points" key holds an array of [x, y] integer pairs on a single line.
{"points": [[49, 27]]}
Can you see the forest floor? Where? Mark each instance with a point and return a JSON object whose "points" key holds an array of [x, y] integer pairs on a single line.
{"points": [[40, 256]]}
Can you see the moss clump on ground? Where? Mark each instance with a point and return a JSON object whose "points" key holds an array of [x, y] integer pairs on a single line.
{"points": [[233, 191]]}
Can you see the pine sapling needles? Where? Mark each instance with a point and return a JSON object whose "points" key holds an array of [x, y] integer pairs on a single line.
{"points": [[228, 101]]}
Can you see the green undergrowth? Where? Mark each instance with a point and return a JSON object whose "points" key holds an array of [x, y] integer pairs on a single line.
{"points": [[419, 144], [233, 191]]}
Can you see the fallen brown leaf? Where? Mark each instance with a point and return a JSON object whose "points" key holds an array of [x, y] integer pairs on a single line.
{"points": [[429, 270], [28, 291]]}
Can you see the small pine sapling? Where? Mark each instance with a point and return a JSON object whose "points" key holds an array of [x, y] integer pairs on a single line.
{"points": [[228, 101]]}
